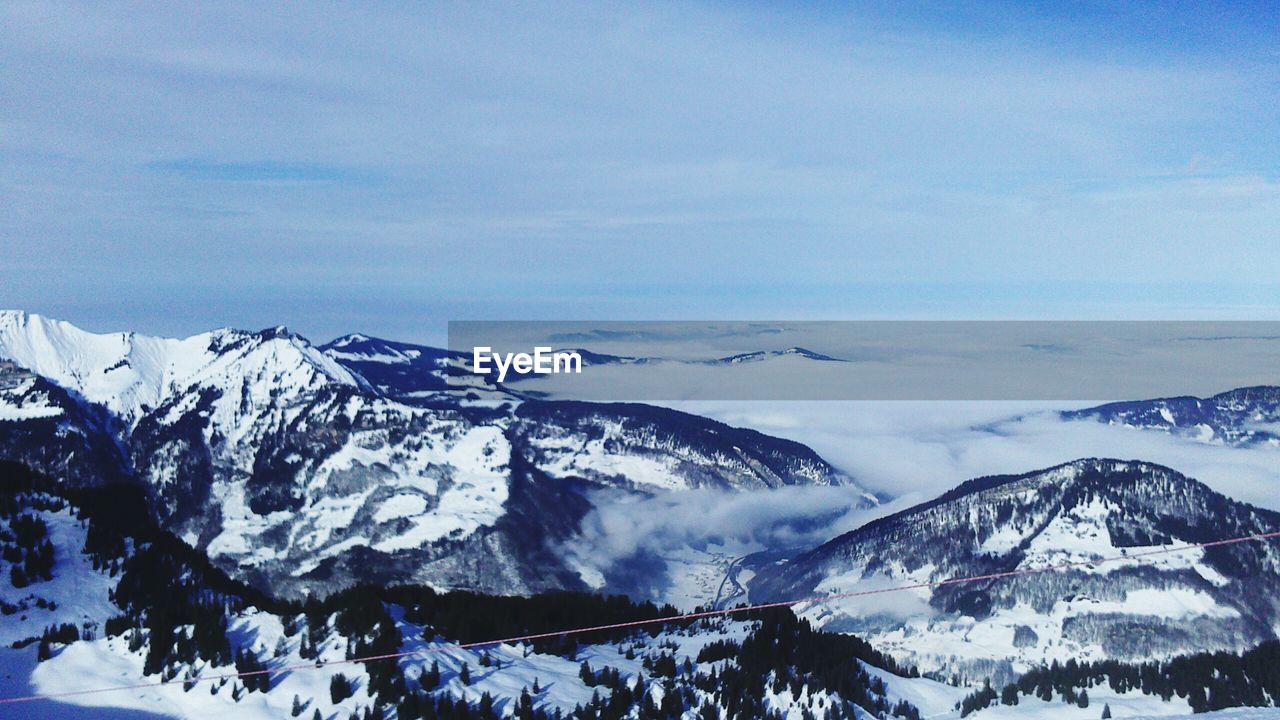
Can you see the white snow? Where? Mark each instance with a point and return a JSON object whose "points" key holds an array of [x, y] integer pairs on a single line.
{"points": [[27, 412], [931, 697], [107, 662], [395, 357], [81, 593], [128, 372], [568, 456], [240, 525], [399, 506]]}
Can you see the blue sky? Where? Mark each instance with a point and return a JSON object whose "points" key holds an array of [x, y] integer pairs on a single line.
{"points": [[388, 167]]}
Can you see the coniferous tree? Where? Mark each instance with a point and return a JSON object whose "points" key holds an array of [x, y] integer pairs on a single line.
{"points": [[430, 680], [524, 706], [340, 688]]}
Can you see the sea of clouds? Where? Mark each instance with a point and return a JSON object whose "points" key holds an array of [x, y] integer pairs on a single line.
{"points": [[907, 451]]}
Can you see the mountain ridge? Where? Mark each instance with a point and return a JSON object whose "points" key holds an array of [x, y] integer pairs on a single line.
{"points": [[1077, 513], [1243, 417]]}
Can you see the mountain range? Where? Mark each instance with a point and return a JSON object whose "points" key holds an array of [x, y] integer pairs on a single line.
{"points": [[304, 468], [302, 502]]}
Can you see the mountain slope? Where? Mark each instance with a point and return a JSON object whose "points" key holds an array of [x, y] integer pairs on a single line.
{"points": [[85, 614], [404, 371], [44, 425], [1242, 417], [1225, 597], [626, 443]]}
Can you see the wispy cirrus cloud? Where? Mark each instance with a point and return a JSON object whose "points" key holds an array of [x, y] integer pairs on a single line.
{"points": [[534, 159], [262, 171]]}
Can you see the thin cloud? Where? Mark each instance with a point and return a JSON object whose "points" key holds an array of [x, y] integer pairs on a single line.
{"points": [[517, 156]]}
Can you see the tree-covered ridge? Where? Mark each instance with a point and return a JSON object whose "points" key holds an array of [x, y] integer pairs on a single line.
{"points": [[1085, 519], [1208, 681], [185, 621]]}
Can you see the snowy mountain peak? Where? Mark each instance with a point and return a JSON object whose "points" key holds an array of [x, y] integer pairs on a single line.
{"points": [[351, 339], [362, 348], [759, 355], [401, 370], [300, 467], [805, 352], [129, 373]]}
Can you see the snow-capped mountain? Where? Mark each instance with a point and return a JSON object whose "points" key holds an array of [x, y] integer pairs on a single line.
{"points": [[1241, 417], [404, 371], [760, 355], [133, 375], [303, 468], [1220, 598]]}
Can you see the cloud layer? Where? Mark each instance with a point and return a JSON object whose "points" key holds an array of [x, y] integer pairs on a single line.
{"points": [[929, 447], [913, 451]]}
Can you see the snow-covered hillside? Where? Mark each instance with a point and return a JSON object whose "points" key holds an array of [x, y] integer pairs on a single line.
{"points": [[83, 622], [1081, 512], [85, 616]]}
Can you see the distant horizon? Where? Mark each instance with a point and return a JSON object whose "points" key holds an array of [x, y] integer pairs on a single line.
{"points": [[425, 321]]}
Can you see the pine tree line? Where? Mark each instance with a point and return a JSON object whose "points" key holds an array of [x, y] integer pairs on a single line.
{"points": [[1208, 681]]}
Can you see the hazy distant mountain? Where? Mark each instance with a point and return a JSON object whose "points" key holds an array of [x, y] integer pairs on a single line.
{"points": [[767, 354], [590, 359], [1243, 417]]}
